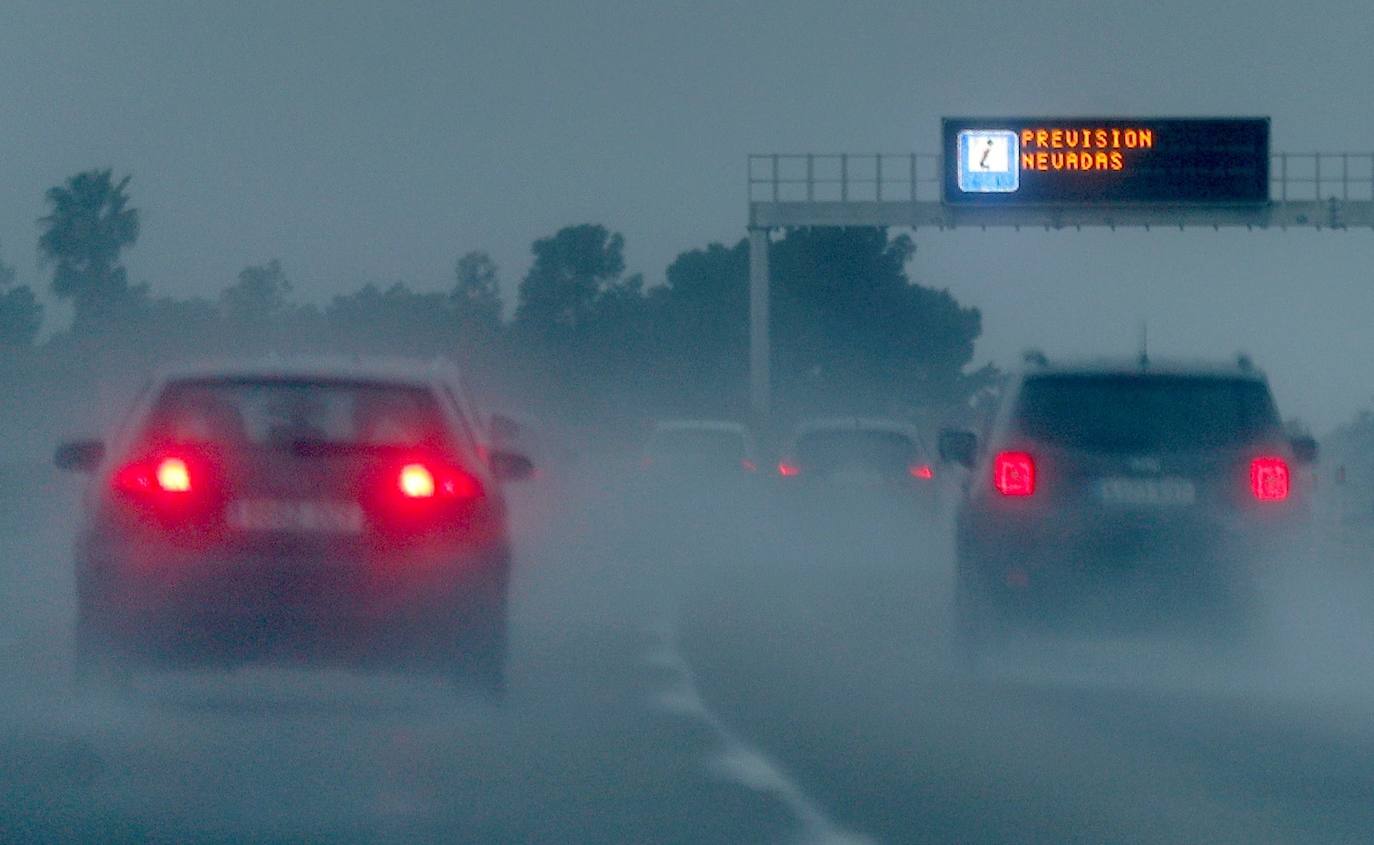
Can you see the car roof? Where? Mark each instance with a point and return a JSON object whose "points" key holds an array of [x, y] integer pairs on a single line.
{"points": [[854, 424], [725, 426], [1240, 369], [398, 371]]}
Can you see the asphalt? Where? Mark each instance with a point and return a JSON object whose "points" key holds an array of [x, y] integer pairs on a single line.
{"points": [[701, 668]]}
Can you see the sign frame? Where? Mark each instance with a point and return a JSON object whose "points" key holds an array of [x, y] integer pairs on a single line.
{"points": [[1143, 162]]}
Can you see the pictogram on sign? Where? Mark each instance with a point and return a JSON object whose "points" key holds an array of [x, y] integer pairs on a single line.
{"points": [[988, 161]]}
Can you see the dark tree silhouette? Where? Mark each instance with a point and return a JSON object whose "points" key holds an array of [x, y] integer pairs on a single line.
{"points": [[259, 297], [20, 314], [395, 321], [702, 323], [89, 225], [851, 330], [476, 294], [570, 269]]}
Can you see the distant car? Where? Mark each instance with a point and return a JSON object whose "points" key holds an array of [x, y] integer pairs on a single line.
{"points": [[1131, 496], [693, 449], [861, 454], [306, 511]]}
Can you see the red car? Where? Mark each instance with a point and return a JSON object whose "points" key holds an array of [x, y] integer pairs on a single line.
{"points": [[302, 512]]}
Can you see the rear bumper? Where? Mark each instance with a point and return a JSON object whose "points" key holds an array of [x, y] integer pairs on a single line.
{"points": [[1043, 537], [1118, 569], [128, 585]]}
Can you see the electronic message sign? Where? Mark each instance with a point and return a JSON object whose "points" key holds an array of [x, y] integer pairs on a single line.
{"points": [[1105, 161]]}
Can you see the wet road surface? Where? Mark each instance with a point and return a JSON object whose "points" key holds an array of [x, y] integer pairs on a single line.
{"points": [[718, 671]]}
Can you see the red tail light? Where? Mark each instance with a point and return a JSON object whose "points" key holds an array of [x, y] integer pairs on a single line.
{"points": [[1013, 474], [431, 481], [419, 494], [1269, 479], [169, 474], [177, 487], [173, 476], [787, 470], [416, 481], [922, 471]]}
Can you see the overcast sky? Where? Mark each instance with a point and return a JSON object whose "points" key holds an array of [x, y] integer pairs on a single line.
{"points": [[377, 141]]}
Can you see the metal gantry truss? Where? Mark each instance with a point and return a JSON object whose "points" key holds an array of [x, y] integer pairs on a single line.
{"points": [[1333, 191], [1307, 190]]}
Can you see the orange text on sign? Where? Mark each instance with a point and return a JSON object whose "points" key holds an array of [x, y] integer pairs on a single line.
{"points": [[1088, 139], [1073, 161], [1087, 149]]}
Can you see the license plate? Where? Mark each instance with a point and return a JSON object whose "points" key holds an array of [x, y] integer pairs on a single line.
{"points": [[1147, 491], [291, 515]]}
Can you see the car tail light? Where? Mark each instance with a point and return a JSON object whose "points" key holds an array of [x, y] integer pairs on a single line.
{"points": [[922, 471], [167, 474], [177, 487], [787, 470], [416, 481], [1269, 479], [748, 465], [173, 476], [1013, 474], [436, 481]]}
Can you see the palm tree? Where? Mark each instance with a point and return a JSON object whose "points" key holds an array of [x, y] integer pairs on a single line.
{"points": [[89, 226]]}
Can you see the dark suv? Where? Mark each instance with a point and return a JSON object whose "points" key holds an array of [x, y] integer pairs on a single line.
{"points": [[332, 512], [1141, 496]]}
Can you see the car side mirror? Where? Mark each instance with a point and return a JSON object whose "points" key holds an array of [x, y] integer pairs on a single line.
{"points": [[79, 455], [1304, 449], [510, 466], [958, 447]]}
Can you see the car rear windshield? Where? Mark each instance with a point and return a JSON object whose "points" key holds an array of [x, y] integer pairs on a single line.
{"points": [[283, 412], [696, 443], [871, 449], [1117, 413]]}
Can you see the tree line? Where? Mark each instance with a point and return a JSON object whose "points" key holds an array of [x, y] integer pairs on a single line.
{"points": [[853, 333]]}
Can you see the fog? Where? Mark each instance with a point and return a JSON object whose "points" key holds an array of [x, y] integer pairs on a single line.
{"points": [[705, 663], [552, 203]]}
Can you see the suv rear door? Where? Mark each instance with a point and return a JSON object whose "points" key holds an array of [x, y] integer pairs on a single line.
{"points": [[1142, 439]]}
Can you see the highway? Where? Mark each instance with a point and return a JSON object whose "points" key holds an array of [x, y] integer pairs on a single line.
{"points": [[748, 668]]}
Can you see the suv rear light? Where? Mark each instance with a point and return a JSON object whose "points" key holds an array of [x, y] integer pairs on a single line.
{"points": [[922, 471], [1269, 479], [1013, 474], [787, 470]]}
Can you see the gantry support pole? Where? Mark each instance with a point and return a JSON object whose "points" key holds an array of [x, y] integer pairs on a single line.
{"points": [[760, 379]]}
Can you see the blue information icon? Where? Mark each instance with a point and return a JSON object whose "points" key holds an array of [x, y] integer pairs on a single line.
{"points": [[988, 161]]}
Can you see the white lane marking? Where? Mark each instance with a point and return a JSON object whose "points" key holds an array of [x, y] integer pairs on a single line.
{"points": [[736, 760]]}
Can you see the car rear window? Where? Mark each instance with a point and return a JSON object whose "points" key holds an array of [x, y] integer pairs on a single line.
{"points": [[276, 412], [1117, 413], [872, 449], [690, 443]]}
